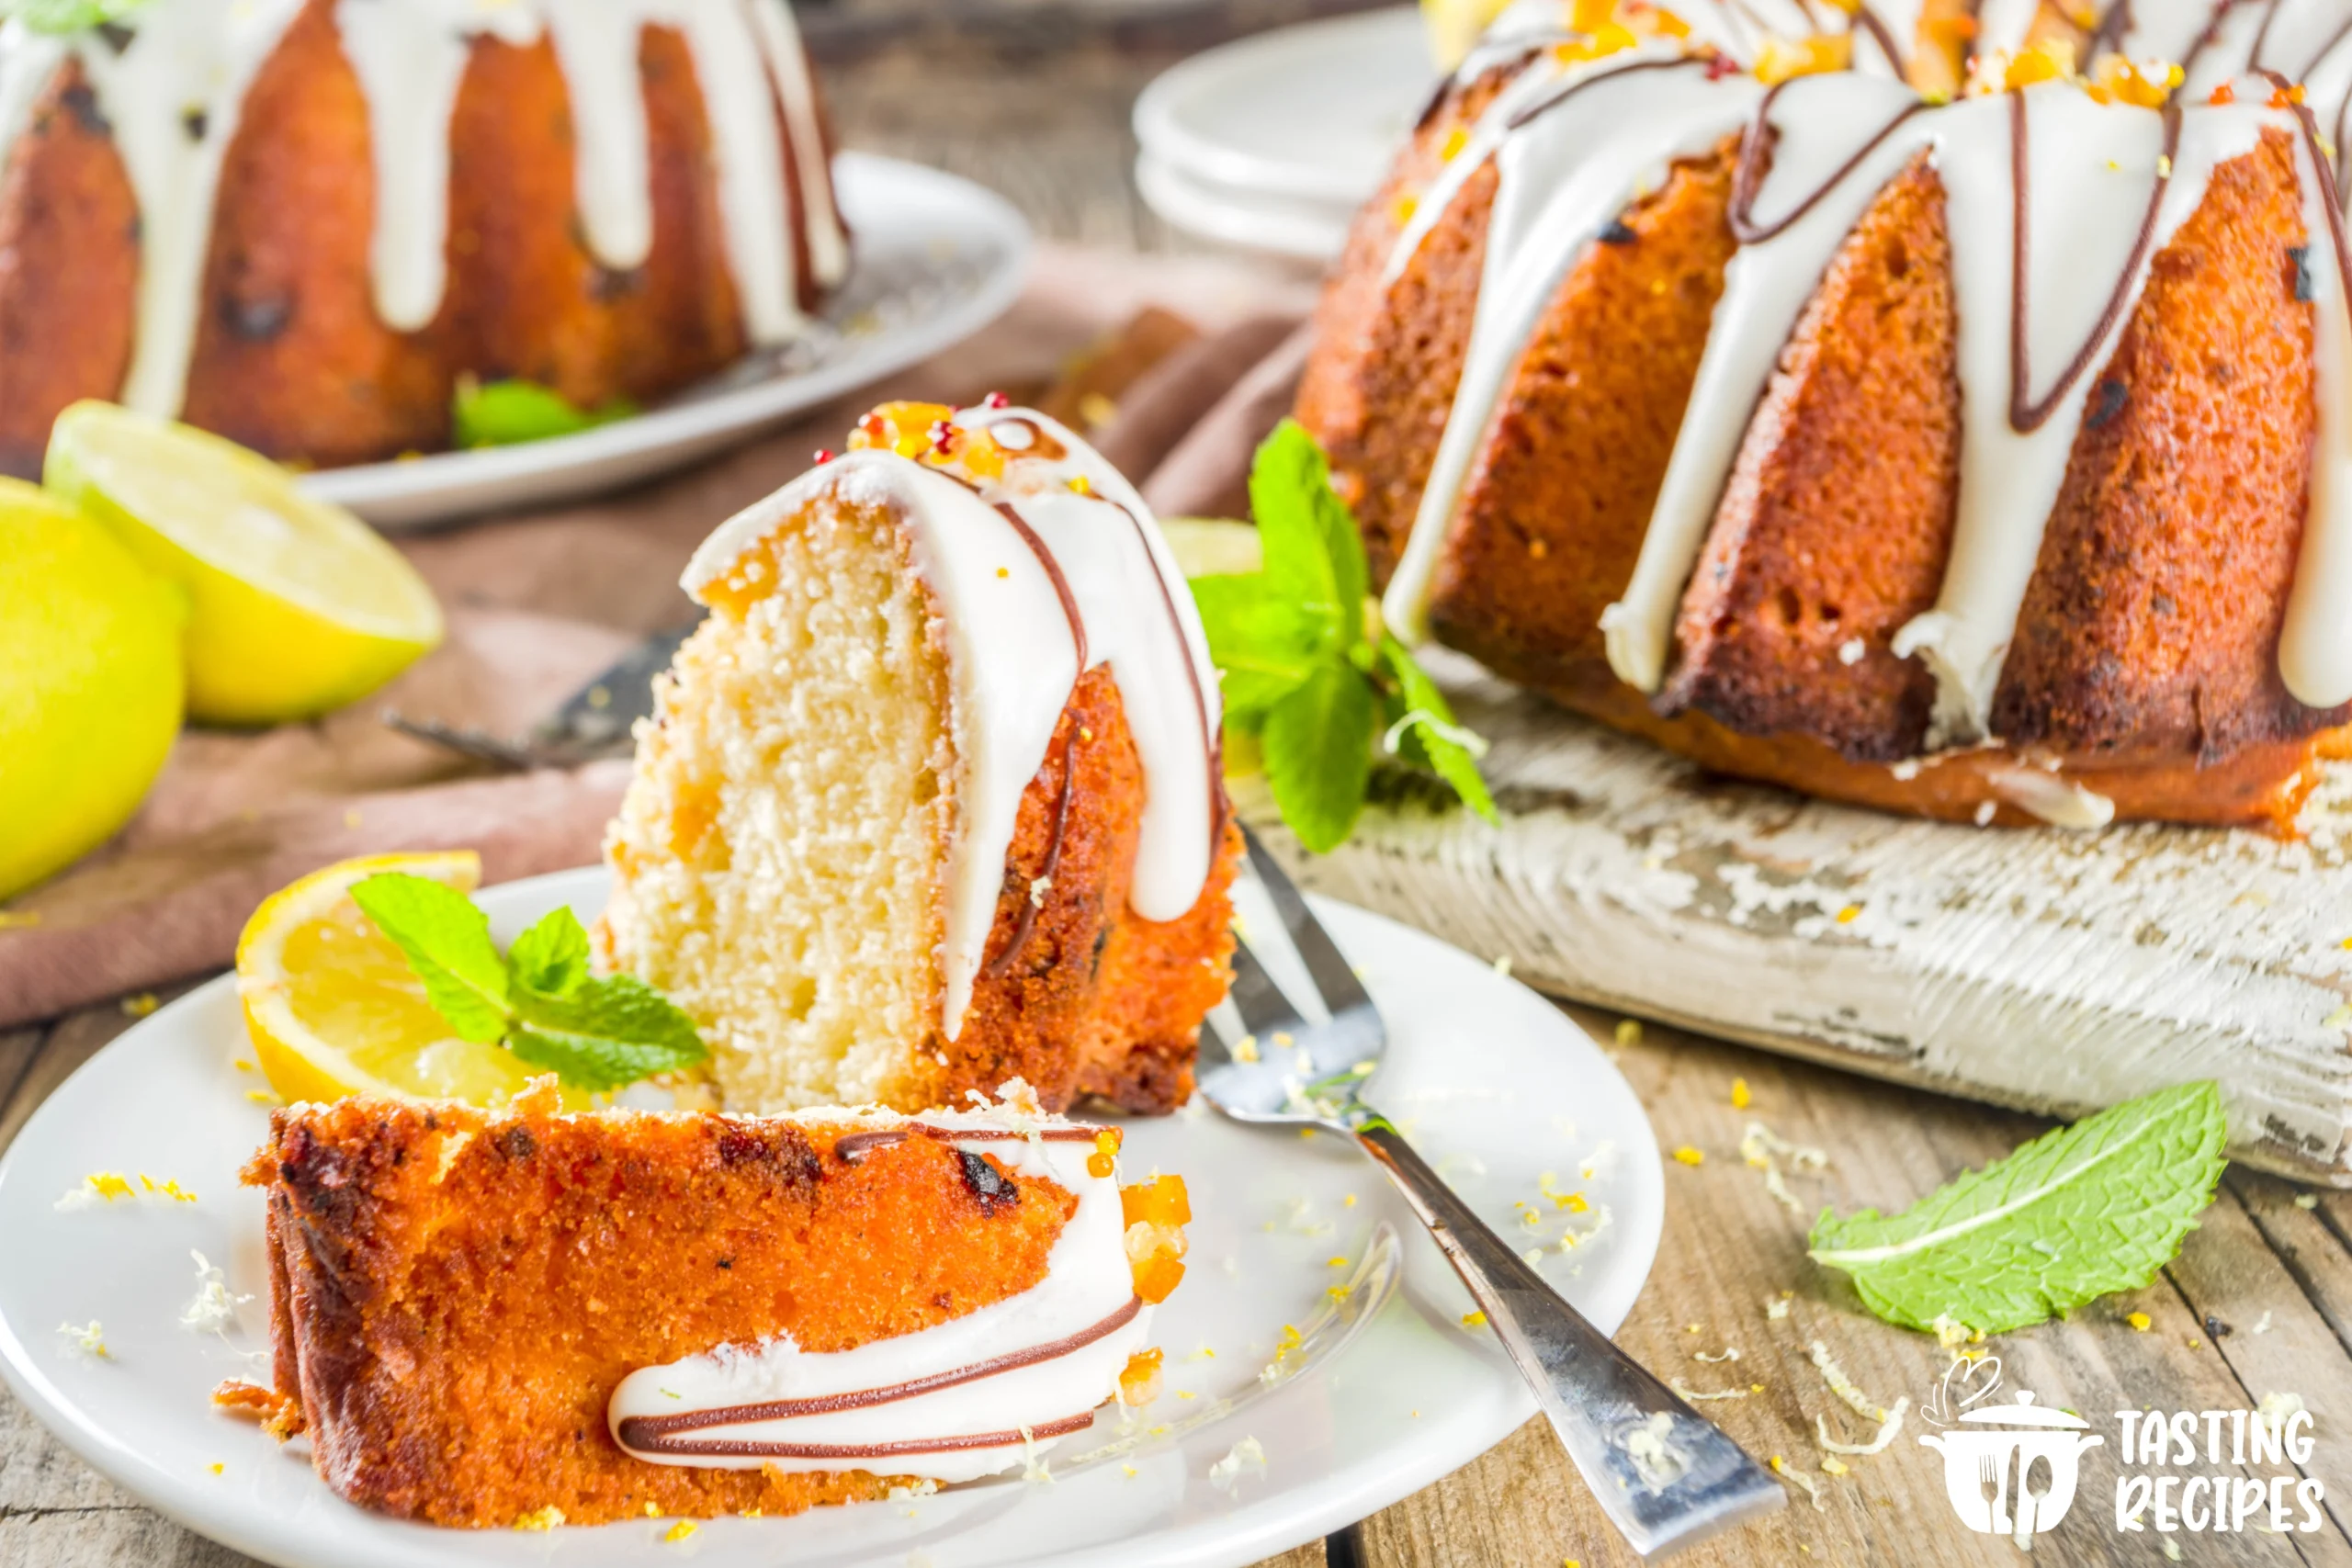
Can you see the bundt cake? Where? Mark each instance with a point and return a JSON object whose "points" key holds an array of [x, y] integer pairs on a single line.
{"points": [[932, 798], [1894, 412], [298, 223], [515, 1317]]}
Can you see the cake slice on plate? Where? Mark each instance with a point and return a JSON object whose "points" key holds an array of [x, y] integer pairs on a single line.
{"points": [[517, 1316], [932, 800]]}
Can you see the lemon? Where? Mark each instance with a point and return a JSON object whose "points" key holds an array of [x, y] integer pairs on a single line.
{"points": [[90, 684], [1455, 25], [1213, 547], [333, 1008], [298, 606]]}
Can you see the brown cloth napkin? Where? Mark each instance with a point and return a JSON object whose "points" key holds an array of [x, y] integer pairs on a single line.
{"points": [[1176, 366]]}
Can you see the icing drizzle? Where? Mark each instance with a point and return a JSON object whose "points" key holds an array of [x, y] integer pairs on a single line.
{"points": [[1041, 572], [2049, 258], [969, 1397], [173, 91]]}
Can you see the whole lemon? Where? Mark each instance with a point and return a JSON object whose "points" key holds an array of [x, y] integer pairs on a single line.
{"points": [[91, 683]]}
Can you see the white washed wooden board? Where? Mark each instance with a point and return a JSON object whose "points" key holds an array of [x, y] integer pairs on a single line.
{"points": [[2047, 970]]}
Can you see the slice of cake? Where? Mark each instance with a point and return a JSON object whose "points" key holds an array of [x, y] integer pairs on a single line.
{"points": [[932, 800], [494, 1318]]}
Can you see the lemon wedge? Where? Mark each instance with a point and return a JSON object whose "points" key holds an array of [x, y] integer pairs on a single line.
{"points": [[298, 606], [333, 1008]]}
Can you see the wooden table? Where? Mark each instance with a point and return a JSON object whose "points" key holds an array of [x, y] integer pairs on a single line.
{"points": [[1035, 102]]}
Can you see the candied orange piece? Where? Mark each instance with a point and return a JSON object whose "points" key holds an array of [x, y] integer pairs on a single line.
{"points": [[1156, 1277], [1160, 1203]]}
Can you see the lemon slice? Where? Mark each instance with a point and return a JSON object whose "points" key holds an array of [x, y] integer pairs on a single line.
{"points": [[333, 1008], [298, 606]]}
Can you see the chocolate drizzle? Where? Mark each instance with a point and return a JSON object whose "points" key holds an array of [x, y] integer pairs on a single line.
{"points": [[1027, 920], [728, 1447], [2025, 414], [1747, 179], [2331, 195], [1551, 101], [653, 1434], [854, 1146]]}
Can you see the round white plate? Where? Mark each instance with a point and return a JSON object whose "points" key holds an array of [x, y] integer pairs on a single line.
{"points": [[1277, 225], [1314, 110], [1387, 1393], [933, 259]]}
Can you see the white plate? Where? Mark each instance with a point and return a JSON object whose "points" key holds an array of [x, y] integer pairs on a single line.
{"points": [[1282, 226], [1489, 1078], [933, 259], [1314, 110]]}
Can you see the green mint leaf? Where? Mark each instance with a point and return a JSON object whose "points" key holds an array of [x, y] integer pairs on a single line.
{"points": [[1318, 744], [605, 1033], [1421, 730], [70, 15], [552, 958], [1314, 555], [507, 413], [1263, 645], [446, 941], [2076, 1214]]}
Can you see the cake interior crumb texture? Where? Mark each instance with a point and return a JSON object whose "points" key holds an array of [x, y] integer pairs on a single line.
{"points": [[781, 853]]}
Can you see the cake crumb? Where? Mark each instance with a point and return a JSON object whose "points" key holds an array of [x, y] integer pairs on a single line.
{"points": [[1246, 1455], [214, 1310], [682, 1530], [87, 1339]]}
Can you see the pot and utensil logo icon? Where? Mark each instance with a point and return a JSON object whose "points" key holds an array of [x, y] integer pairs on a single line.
{"points": [[2011, 1469]]}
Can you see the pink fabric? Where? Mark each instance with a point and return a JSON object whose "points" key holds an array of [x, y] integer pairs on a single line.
{"points": [[541, 602]]}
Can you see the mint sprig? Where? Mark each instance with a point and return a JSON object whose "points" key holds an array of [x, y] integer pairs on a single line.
{"points": [[509, 413], [594, 1032], [1306, 670], [62, 16], [2076, 1214]]}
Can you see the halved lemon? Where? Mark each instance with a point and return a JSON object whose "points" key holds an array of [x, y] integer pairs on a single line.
{"points": [[298, 606], [333, 1008]]}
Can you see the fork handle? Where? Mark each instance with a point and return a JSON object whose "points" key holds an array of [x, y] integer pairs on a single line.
{"points": [[1664, 1475]]}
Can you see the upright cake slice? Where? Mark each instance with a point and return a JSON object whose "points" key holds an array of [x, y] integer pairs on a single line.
{"points": [[931, 799], [492, 1317]]}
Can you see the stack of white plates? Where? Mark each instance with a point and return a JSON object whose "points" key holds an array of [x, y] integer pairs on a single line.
{"points": [[1272, 143]]}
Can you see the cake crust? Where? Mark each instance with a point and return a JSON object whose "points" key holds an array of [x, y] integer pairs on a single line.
{"points": [[457, 1292]]}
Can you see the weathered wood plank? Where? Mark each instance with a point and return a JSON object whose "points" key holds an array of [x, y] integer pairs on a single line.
{"points": [[73, 1041], [2045, 970], [1730, 1250]]}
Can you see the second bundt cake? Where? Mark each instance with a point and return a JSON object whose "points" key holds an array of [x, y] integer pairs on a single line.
{"points": [[1981, 453], [298, 223], [931, 799]]}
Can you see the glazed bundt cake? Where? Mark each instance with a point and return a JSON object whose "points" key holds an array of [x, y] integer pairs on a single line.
{"points": [[298, 222], [1866, 398], [931, 799]]}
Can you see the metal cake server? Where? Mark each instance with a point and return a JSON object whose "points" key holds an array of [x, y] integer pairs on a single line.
{"points": [[593, 722], [1665, 1476]]}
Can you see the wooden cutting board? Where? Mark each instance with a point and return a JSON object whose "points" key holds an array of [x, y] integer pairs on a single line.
{"points": [[2051, 971]]}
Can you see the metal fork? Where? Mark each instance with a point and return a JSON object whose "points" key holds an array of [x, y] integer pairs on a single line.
{"points": [[1988, 1486], [1665, 1475]]}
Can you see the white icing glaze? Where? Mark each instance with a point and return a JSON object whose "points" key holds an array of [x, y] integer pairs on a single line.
{"points": [[2094, 168], [1088, 1281], [1566, 175], [1011, 660], [190, 62]]}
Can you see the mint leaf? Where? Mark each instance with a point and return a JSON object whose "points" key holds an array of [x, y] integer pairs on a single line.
{"points": [[1318, 745], [1263, 645], [604, 1033], [552, 958], [446, 941], [1314, 556], [2076, 1214], [507, 413], [70, 15], [1421, 730]]}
